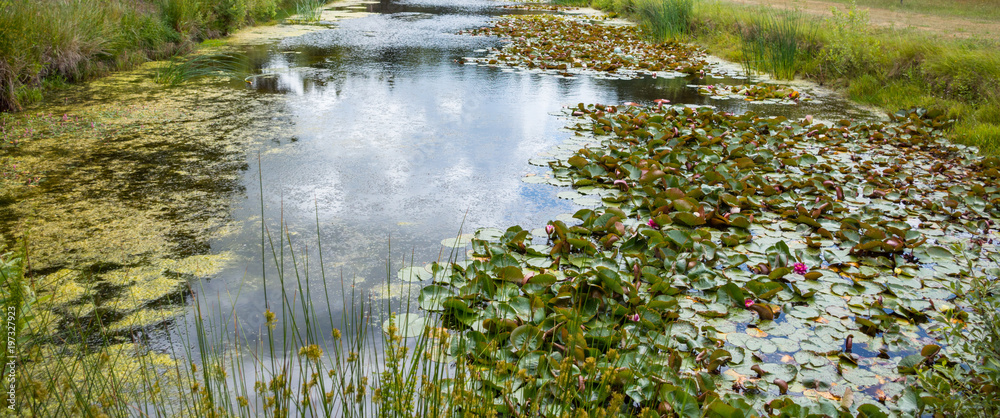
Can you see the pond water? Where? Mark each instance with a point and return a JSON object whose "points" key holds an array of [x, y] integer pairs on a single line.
{"points": [[371, 129], [396, 144], [383, 131]]}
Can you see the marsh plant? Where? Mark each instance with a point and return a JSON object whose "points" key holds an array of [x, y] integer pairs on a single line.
{"points": [[770, 43], [666, 19], [308, 10]]}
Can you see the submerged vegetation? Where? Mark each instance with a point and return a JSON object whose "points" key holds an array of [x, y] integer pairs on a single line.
{"points": [[224, 65], [76, 40]]}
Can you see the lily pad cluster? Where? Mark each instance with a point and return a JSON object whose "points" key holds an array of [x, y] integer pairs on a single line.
{"points": [[758, 93], [537, 6], [570, 46], [741, 265]]}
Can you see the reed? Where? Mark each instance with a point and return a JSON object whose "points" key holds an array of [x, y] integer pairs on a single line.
{"points": [[308, 10], [770, 43], [665, 19]]}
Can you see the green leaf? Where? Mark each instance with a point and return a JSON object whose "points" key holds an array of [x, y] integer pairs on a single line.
{"points": [[610, 279], [510, 274], [688, 218], [910, 401], [526, 338], [408, 325], [432, 297], [684, 404]]}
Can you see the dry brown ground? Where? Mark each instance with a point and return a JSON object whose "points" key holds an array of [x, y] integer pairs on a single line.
{"points": [[947, 26]]}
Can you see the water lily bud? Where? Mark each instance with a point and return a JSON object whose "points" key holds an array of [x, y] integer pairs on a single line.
{"points": [[782, 386], [549, 229]]}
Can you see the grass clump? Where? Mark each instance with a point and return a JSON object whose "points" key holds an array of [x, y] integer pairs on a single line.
{"points": [[770, 43], [665, 19], [308, 10]]}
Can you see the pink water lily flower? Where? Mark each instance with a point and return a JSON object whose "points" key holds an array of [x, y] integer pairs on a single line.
{"points": [[634, 318], [653, 224], [748, 303], [800, 268], [549, 229]]}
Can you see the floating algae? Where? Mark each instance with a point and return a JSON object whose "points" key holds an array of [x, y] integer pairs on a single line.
{"points": [[126, 184], [144, 318]]}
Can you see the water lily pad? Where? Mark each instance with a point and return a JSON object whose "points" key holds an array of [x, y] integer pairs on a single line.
{"points": [[458, 242], [414, 274], [408, 325]]}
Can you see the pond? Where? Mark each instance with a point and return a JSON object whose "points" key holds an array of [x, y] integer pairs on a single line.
{"points": [[378, 133]]}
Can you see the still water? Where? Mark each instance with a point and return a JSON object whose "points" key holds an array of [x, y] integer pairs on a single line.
{"points": [[367, 136], [396, 145]]}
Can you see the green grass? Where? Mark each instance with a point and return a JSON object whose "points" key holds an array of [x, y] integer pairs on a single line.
{"points": [[82, 39], [770, 43], [308, 10], [971, 9], [666, 19]]}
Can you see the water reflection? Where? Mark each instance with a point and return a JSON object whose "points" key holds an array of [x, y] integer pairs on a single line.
{"points": [[395, 141]]}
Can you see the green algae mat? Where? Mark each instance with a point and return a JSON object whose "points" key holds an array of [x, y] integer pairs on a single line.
{"points": [[732, 264]]}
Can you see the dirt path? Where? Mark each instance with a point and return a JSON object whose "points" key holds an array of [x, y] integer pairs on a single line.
{"points": [[946, 26]]}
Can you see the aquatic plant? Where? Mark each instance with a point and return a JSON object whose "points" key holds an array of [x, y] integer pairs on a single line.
{"points": [[770, 43], [665, 19], [569, 45], [690, 181], [308, 10], [760, 92]]}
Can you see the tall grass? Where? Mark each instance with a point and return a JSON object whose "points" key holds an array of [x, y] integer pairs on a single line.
{"points": [[666, 19], [770, 43], [308, 10]]}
